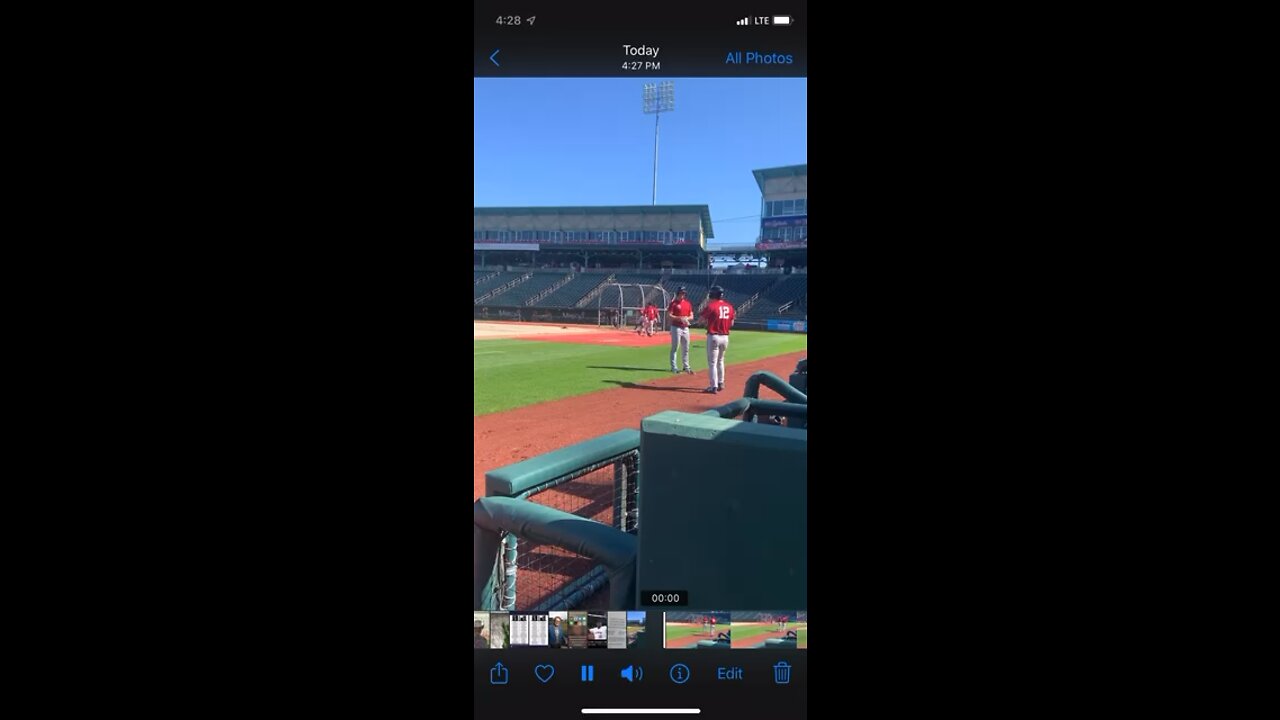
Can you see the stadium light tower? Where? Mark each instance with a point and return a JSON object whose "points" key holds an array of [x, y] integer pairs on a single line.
{"points": [[658, 99]]}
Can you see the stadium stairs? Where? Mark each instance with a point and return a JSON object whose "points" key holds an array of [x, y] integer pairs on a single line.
{"points": [[782, 301], [509, 280], [567, 291], [485, 285], [531, 285]]}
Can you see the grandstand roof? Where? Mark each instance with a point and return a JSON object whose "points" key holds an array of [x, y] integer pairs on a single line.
{"points": [[770, 173], [703, 210]]}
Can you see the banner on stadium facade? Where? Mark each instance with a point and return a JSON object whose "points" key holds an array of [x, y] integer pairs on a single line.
{"points": [[791, 245]]}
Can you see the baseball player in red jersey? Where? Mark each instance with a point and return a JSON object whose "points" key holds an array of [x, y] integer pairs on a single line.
{"points": [[650, 318], [719, 316], [680, 312]]}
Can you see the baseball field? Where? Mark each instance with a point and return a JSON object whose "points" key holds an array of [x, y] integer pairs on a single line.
{"points": [[754, 634], [689, 635], [537, 388]]}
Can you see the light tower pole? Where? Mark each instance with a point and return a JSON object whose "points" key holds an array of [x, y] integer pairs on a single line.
{"points": [[658, 98]]}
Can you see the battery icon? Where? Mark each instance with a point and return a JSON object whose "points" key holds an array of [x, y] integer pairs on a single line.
{"points": [[781, 19]]}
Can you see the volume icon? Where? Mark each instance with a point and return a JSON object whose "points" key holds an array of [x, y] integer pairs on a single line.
{"points": [[633, 673]]}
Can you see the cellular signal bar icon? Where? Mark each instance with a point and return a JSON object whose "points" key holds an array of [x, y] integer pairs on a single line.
{"points": [[744, 21]]}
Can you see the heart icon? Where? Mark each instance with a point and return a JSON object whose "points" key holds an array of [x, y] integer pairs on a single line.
{"points": [[544, 672]]}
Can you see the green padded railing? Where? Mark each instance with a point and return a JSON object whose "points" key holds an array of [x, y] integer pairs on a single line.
{"points": [[493, 516], [520, 481], [505, 513], [539, 473]]}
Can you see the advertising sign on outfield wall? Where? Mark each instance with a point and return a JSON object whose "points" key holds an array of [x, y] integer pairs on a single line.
{"points": [[789, 325]]}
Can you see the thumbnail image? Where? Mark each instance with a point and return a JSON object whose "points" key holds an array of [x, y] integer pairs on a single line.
{"points": [[597, 630], [558, 629], [480, 641], [617, 630], [577, 629], [499, 630], [528, 629], [776, 630], [519, 629], [538, 630], [635, 628], [802, 629], [626, 628], [695, 630]]}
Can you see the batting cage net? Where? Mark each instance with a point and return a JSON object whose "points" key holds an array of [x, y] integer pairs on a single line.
{"points": [[621, 305], [540, 576]]}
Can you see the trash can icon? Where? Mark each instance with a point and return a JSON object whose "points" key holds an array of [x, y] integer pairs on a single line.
{"points": [[782, 673]]}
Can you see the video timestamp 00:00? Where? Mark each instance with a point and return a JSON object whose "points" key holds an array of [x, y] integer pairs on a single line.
{"points": [[676, 598]]}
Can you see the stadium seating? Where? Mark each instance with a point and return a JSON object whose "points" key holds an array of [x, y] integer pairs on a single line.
{"points": [[774, 291], [527, 289], [631, 296], [640, 278], [491, 283], [739, 288], [790, 289], [573, 291]]}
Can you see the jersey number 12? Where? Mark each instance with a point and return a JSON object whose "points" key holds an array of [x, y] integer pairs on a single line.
{"points": [[724, 312]]}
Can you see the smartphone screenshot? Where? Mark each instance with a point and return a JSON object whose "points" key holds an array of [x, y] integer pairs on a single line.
{"points": [[640, 363]]}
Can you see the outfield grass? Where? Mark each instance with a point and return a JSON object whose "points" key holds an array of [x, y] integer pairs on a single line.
{"points": [[743, 633], [509, 374], [676, 632]]}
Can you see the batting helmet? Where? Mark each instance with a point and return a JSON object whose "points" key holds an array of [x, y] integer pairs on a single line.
{"points": [[716, 292], [680, 289]]}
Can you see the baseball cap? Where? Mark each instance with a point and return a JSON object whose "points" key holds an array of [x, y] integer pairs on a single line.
{"points": [[479, 624], [680, 289]]}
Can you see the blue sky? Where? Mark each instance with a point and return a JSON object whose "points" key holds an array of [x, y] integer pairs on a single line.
{"points": [[585, 141]]}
